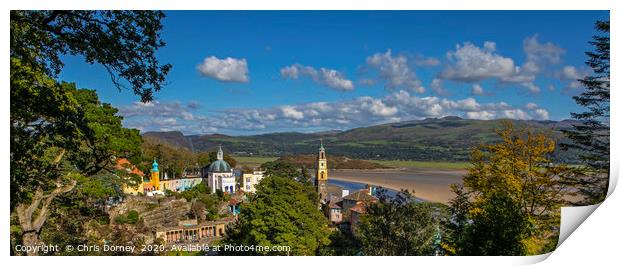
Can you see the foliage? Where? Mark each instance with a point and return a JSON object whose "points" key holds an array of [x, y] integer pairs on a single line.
{"points": [[511, 197], [124, 42], [176, 161], [591, 136], [62, 136], [399, 226], [279, 213]]}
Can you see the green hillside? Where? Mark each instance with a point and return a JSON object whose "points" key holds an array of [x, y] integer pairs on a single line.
{"points": [[445, 139]]}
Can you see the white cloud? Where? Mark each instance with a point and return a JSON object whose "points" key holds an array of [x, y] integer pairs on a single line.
{"points": [[531, 106], [228, 69], [438, 89], [570, 75], [327, 77], [547, 53], [395, 71], [477, 90], [424, 61], [397, 106], [469, 63], [542, 114], [291, 112]]}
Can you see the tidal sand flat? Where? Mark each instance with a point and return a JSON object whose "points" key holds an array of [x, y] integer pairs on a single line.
{"points": [[429, 184]]}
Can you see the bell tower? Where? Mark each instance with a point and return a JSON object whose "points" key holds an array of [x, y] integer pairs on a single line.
{"points": [[321, 174], [155, 175]]}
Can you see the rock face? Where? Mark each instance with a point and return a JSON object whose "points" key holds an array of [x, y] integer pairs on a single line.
{"points": [[155, 212]]}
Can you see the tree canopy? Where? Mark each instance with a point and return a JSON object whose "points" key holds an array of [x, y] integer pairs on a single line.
{"points": [[60, 134], [591, 136], [397, 226], [124, 42], [280, 213], [510, 200]]}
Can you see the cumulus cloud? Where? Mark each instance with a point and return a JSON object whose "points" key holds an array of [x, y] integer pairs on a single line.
{"points": [[395, 71], [477, 90], [470, 63], [327, 77], [362, 111], [570, 75], [437, 87], [228, 69], [539, 53]]}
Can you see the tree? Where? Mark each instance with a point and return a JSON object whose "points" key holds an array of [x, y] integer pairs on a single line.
{"points": [[124, 42], [499, 227], [205, 159], [51, 154], [590, 137], [397, 227], [280, 213], [512, 187], [60, 135]]}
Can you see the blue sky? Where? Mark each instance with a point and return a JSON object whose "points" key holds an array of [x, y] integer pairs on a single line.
{"points": [[251, 72]]}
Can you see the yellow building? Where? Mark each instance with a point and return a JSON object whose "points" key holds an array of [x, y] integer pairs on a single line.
{"points": [[321, 174], [250, 180], [155, 176], [191, 231]]}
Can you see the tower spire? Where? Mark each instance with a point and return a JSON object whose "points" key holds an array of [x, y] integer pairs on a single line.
{"points": [[220, 153]]}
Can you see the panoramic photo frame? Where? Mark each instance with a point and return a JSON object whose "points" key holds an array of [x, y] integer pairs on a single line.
{"points": [[325, 133]]}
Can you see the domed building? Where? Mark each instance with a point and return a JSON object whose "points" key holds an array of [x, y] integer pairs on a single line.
{"points": [[219, 174]]}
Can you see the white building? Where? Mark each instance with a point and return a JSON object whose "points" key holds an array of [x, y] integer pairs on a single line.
{"points": [[220, 175], [250, 180]]}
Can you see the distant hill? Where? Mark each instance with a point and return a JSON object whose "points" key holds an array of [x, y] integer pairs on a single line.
{"points": [[334, 162], [432, 139]]}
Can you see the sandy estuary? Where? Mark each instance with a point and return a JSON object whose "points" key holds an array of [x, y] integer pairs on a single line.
{"points": [[429, 184]]}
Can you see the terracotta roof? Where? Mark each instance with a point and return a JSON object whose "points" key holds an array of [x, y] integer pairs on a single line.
{"points": [[360, 195], [123, 163], [360, 207]]}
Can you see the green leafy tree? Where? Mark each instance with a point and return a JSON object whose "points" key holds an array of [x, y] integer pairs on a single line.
{"points": [[499, 227], [280, 213], [46, 166], [59, 134], [124, 42], [590, 137], [512, 187], [399, 226]]}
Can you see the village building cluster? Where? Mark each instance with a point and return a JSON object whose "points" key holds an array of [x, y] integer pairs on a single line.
{"points": [[342, 209], [218, 175]]}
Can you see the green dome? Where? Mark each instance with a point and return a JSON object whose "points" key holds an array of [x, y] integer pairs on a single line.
{"points": [[219, 166]]}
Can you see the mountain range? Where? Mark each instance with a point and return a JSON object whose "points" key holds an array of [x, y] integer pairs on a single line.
{"points": [[432, 139]]}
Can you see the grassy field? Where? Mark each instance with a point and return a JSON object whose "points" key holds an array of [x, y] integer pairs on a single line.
{"points": [[423, 164], [253, 161]]}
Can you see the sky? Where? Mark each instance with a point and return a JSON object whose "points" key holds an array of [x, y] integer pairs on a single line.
{"points": [[254, 72]]}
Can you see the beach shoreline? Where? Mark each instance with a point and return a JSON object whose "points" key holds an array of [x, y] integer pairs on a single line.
{"points": [[428, 184]]}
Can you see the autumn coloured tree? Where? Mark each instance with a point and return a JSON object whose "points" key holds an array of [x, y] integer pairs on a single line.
{"points": [[511, 196]]}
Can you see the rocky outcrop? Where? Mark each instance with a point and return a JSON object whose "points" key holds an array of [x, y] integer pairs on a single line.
{"points": [[154, 212]]}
